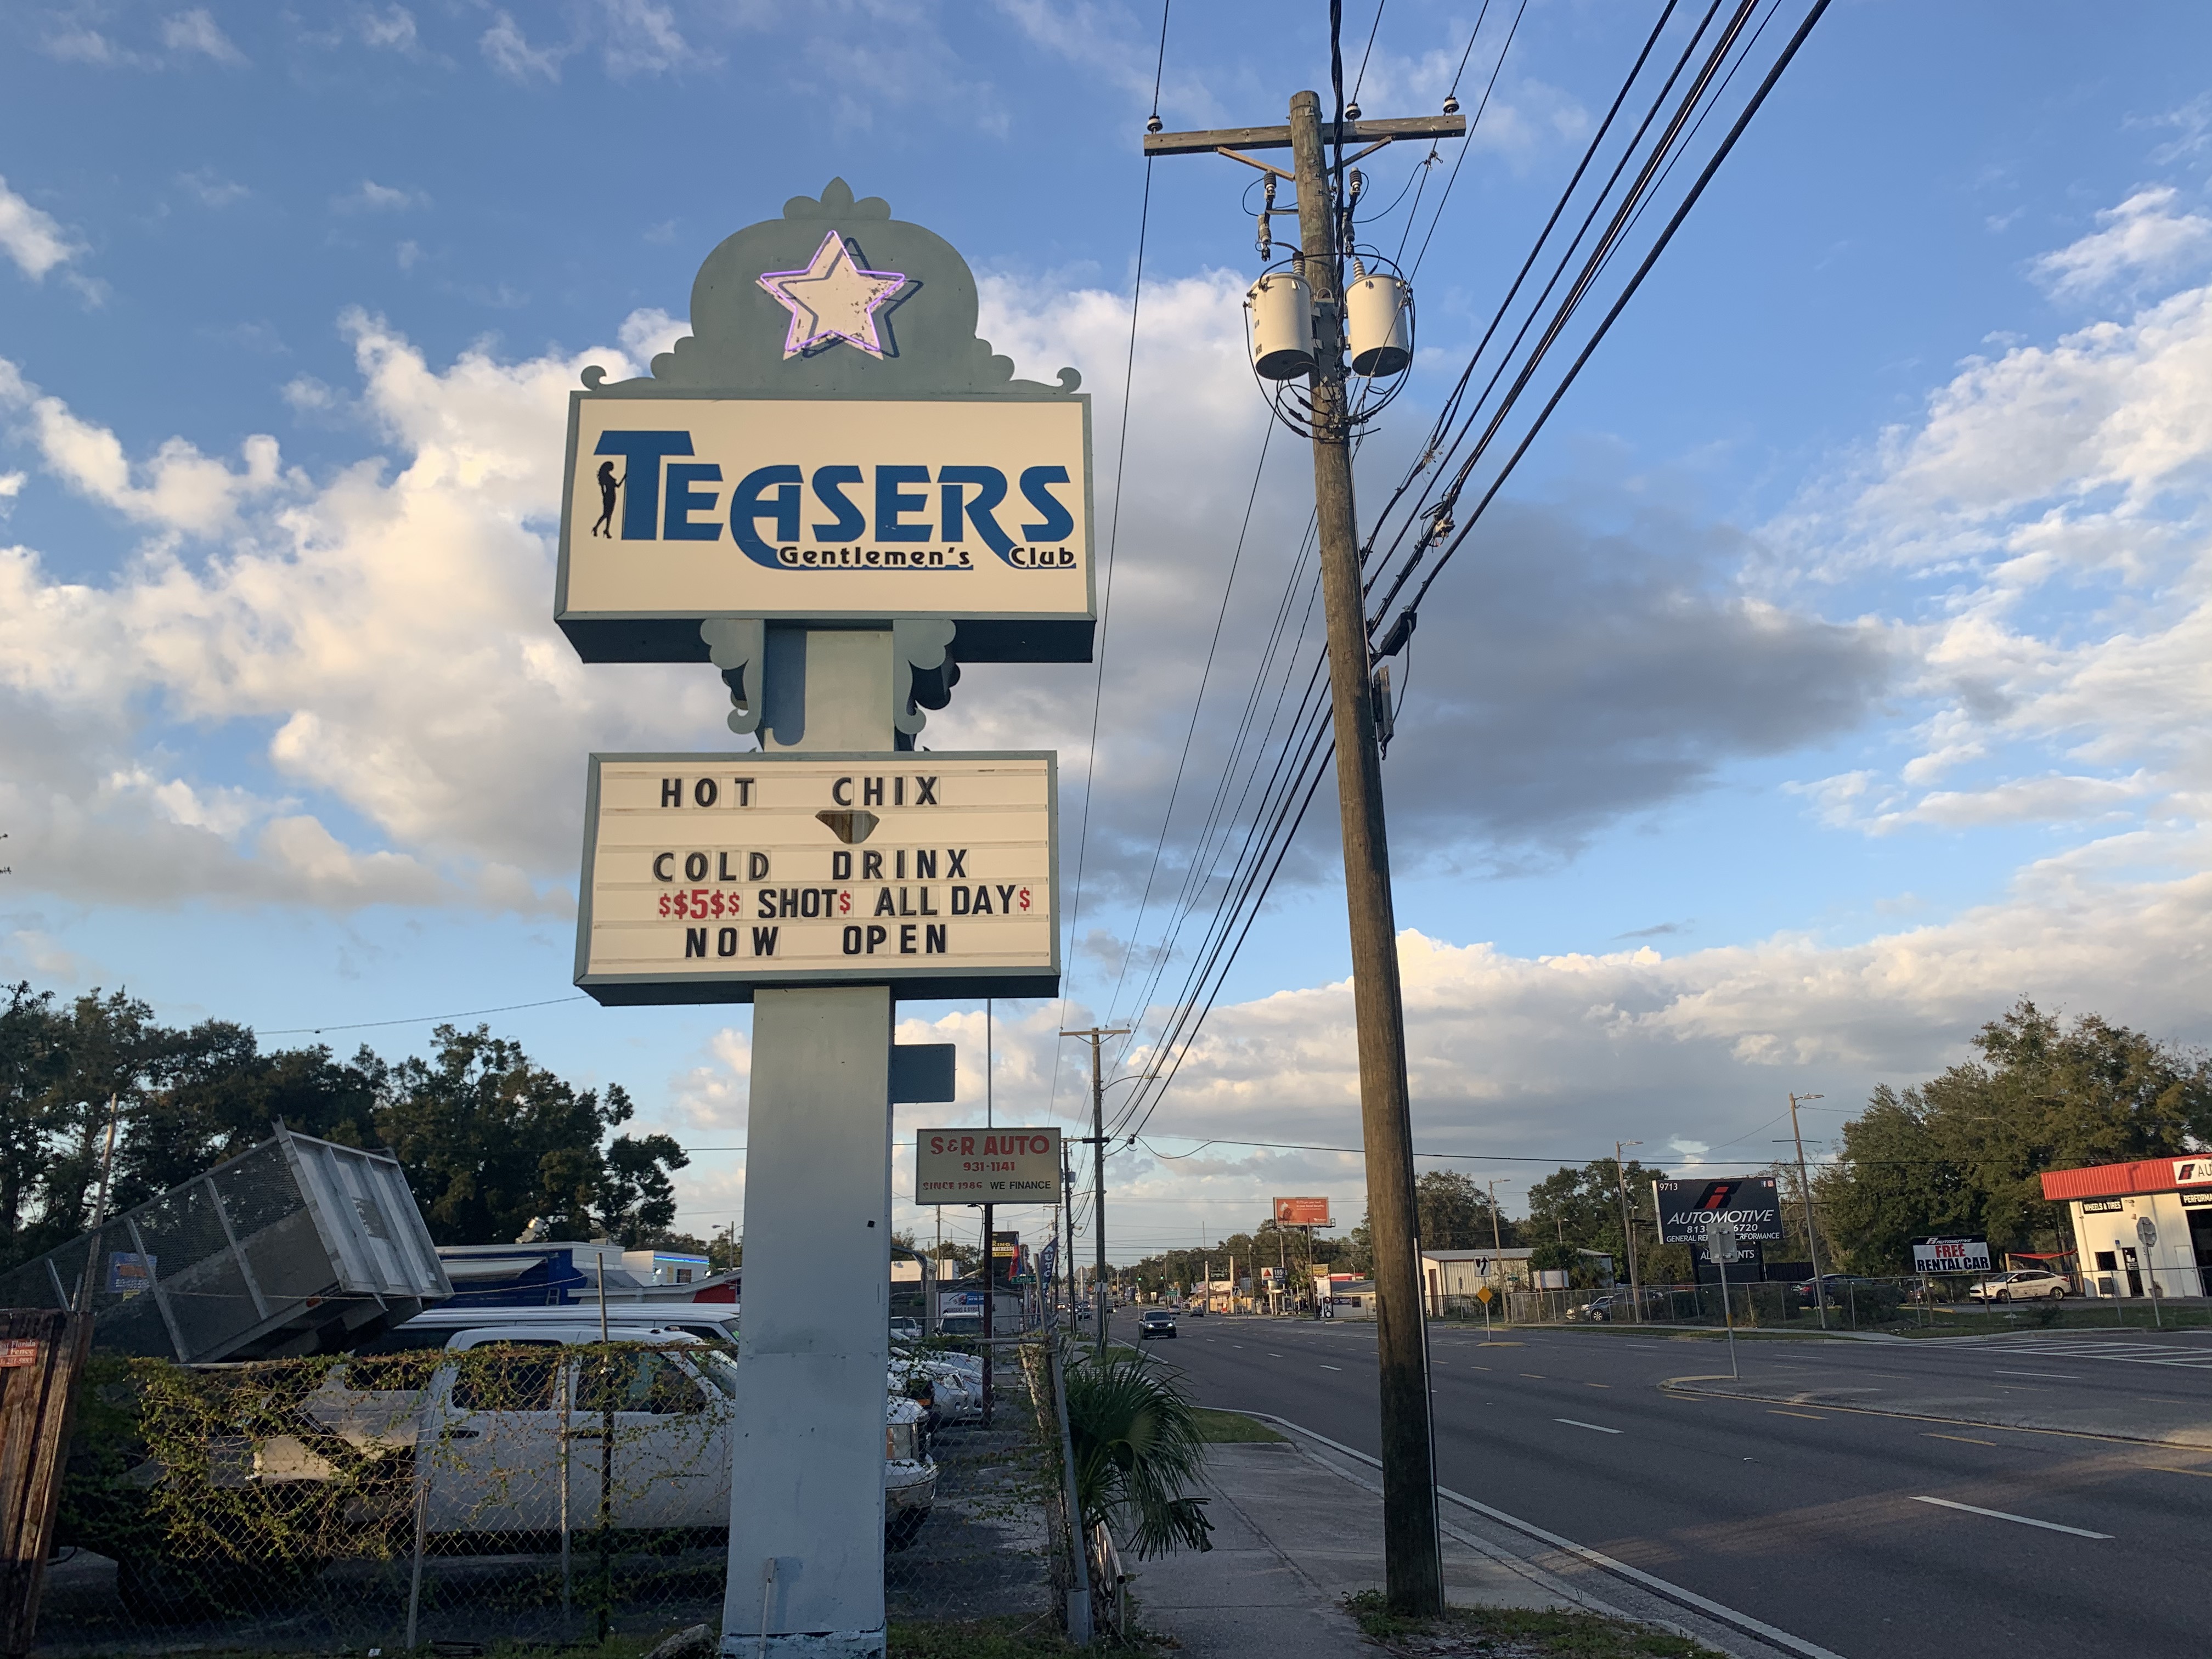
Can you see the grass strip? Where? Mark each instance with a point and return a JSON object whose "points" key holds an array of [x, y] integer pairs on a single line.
{"points": [[1231, 1428], [1516, 1633]]}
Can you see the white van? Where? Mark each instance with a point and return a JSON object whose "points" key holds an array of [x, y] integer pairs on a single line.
{"points": [[518, 1446]]}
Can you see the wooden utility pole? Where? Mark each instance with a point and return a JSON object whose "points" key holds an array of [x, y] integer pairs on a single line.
{"points": [[1805, 1190], [1412, 1551], [1099, 1298]]}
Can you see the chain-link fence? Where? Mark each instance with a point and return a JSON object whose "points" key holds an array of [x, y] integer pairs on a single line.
{"points": [[1851, 1302], [506, 1492]]}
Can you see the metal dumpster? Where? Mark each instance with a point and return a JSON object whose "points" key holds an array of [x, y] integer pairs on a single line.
{"points": [[298, 1246]]}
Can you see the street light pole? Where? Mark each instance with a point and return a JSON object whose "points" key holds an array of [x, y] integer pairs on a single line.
{"points": [[1627, 1231], [1805, 1190]]}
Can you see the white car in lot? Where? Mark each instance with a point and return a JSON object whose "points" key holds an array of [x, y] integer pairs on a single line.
{"points": [[2027, 1284], [516, 1442], [950, 1384]]}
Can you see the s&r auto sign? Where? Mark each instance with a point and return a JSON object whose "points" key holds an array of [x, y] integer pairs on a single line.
{"points": [[827, 509], [1686, 1208], [987, 1166]]}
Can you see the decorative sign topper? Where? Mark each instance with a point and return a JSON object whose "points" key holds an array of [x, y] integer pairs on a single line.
{"points": [[833, 300], [708, 876], [762, 472]]}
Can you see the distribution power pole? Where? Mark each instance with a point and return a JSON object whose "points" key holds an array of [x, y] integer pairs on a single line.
{"points": [[1412, 1551], [1805, 1190], [1099, 1297]]}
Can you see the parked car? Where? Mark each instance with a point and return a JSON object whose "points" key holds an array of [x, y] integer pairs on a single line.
{"points": [[906, 1330], [2027, 1284], [1157, 1321], [1838, 1290], [1615, 1304]]}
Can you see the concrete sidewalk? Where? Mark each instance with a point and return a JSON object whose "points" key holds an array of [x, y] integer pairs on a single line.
{"points": [[1298, 1526], [1293, 1536]]}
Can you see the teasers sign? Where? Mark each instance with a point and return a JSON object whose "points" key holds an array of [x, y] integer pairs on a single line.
{"points": [[707, 875], [826, 509], [1951, 1256], [1303, 1212], [1750, 1203], [987, 1166]]}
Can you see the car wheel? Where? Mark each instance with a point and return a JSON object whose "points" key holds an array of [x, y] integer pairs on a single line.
{"points": [[2058, 1295], [2004, 1296]]}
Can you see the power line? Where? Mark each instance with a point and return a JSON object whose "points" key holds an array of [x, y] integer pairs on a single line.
{"points": [[417, 1019], [1113, 541], [1297, 769]]}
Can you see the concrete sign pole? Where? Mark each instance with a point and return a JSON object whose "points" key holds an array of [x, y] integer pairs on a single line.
{"points": [[835, 492], [806, 1482]]}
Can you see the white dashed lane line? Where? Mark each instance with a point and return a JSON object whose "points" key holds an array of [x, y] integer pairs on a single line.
{"points": [[1331, 1368], [1577, 1423], [2022, 1519]]}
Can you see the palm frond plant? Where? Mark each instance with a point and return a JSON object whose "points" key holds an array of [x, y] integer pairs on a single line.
{"points": [[1139, 1452]]}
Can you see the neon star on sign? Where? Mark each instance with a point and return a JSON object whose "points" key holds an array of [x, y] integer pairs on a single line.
{"points": [[833, 299]]}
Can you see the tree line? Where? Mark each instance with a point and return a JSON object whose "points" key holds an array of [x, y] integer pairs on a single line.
{"points": [[1963, 1152], [490, 1141]]}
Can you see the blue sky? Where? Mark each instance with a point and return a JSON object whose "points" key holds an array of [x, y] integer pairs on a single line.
{"points": [[1828, 677]]}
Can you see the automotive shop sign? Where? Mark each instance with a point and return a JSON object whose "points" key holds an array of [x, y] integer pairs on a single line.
{"points": [[1951, 1256], [987, 1166], [1750, 1205]]}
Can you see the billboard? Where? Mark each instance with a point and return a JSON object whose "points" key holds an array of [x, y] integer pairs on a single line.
{"points": [[987, 1166], [1752, 1203], [1303, 1212], [707, 875], [1951, 1256], [676, 509]]}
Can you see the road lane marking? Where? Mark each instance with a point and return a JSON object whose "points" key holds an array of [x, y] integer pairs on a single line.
{"points": [[1331, 1368], [2164, 1470], [1963, 1440], [1776, 1412], [1534, 1376], [1652, 1581], [2061, 1376], [1597, 1385], [2024, 1520], [1272, 1355], [1576, 1422]]}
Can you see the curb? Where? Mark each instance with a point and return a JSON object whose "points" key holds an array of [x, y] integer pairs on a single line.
{"points": [[1688, 1599]]}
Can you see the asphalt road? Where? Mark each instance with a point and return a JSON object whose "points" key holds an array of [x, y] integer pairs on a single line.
{"points": [[1810, 1518]]}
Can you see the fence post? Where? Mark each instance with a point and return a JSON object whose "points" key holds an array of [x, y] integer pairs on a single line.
{"points": [[422, 1528], [41, 1354], [1079, 1592]]}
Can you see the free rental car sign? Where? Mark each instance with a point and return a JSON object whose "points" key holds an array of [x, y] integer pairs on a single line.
{"points": [[709, 876], [987, 1166], [1951, 1256], [1750, 1204]]}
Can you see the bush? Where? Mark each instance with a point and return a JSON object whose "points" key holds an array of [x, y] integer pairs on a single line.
{"points": [[1139, 1448]]}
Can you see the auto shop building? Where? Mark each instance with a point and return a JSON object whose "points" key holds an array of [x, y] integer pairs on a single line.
{"points": [[2108, 1205]]}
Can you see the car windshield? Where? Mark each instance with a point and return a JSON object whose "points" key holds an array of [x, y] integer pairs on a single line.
{"points": [[719, 1369]]}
